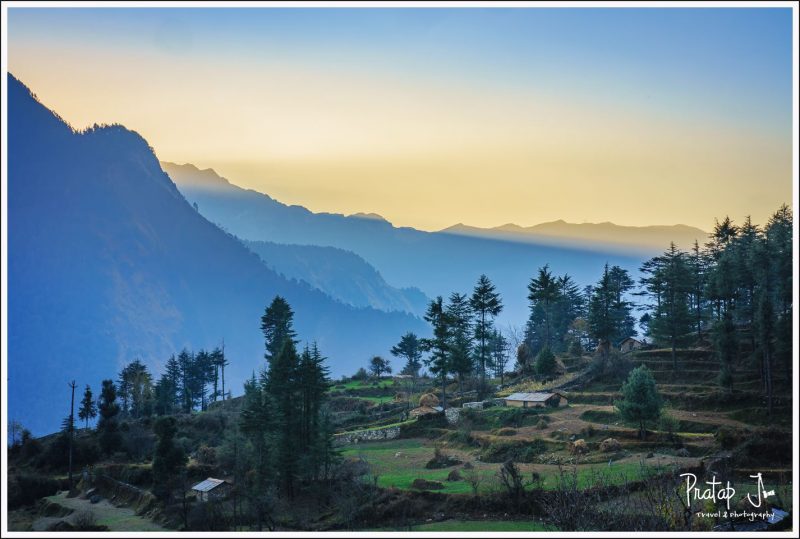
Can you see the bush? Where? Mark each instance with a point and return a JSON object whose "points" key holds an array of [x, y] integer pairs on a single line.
{"points": [[424, 484], [206, 455], [505, 431], [545, 362], [441, 460], [501, 451], [668, 425], [84, 520], [766, 445], [454, 475], [26, 488], [728, 438]]}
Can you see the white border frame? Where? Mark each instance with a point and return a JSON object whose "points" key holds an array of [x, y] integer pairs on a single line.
{"points": [[384, 4]]}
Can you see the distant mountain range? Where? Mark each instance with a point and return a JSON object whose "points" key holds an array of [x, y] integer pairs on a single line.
{"points": [[437, 263], [107, 262], [645, 240]]}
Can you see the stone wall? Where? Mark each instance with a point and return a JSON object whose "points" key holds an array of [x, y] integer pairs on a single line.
{"points": [[371, 435]]}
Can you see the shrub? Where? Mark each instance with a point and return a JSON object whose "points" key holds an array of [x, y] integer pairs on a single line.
{"points": [[545, 362], [505, 431], [84, 520], [454, 475], [441, 460], [207, 455], [501, 451], [26, 488], [424, 484]]}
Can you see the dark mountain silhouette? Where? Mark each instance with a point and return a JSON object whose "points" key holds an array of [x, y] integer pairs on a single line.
{"points": [[644, 240], [343, 275], [108, 262], [435, 262]]}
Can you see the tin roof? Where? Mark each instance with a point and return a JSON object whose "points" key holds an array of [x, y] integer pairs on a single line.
{"points": [[208, 484], [529, 397]]}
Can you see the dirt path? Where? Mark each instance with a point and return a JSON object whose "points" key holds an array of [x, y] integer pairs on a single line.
{"points": [[116, 518]]}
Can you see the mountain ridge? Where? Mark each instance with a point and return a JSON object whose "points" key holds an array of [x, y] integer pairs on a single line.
{"points": [[108, 262]]}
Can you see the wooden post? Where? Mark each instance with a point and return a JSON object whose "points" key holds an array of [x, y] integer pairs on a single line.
{"points": [[71, 429]]}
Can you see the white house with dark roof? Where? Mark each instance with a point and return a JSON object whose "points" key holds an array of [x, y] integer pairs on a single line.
{"points": [[535, 400]]}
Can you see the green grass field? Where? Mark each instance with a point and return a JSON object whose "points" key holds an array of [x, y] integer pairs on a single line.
{"points": [[361, 384], [397, 463]]}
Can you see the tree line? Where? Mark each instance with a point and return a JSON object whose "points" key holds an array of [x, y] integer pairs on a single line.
{"points": [[735, 288]]}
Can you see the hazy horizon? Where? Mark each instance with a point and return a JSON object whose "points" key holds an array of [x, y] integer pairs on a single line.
{"points": [[436, 117]]}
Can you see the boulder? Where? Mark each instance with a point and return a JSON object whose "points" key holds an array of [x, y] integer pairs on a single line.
{"points": [[454, 475]]}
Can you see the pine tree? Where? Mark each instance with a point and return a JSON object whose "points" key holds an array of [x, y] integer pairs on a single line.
{"points": [[438, 347], [543, 293], [458, 314], [621, 284], [486, 304], [409, 348], [601, 314], [168, 459], [173, 384], [219, 362], [280, 386], [779, 246], [313, 385], [698, 268], [202, 372], [378, 366], [276, 324], [726, 349], [88, 409], [499, 347], [107, 427], [672, 321], [185, 385]]}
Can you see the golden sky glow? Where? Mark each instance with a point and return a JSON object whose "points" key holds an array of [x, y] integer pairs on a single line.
{"points": [[428, 150]]}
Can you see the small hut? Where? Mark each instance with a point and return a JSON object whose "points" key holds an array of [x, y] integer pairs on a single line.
{"points": [[212, 489]]}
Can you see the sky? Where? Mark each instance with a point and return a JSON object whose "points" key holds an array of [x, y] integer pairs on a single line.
{"points": [[432, 117]]}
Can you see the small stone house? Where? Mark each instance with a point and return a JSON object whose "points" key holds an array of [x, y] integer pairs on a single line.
{"points": [[629, 345], [211, 489], [535, 400]]}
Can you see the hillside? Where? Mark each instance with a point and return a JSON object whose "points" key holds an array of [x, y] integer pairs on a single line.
{"points": [[343, 275], [645, 240], [436, 263], [108, 262]]}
